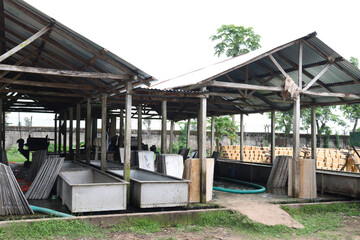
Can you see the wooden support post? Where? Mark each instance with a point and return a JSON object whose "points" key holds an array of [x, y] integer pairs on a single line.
{"points": [[294, 166], [313, 133], [1, 121], [127, 137], [163, 127], [121, 136], [59, 134], [188, 133], [241, 137], [4, 129], [272, 142], [172, 126], [112, 126], [71, 131], [55, 134], [78, 114], [88, 131], [65, 132], [94, 128], [202, 147], [103, 131], [198, 131], [212, 140], [233, 120], [139, 131]]}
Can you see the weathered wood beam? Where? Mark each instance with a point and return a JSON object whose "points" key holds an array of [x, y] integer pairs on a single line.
{"points": [[317, 77], [233, 81], [57, 94], [163, 127], [272, 141], [242, 126], [278, 65], [88, 131], [127, 138], [2, 30], [55, 134], [46, 84], [26, 42], [103, 131], [313, 133], [139, 135], [71, 132], [202, 150], [63, 73], [172, 127], [245, 86], [188, 133], [331, 94]]}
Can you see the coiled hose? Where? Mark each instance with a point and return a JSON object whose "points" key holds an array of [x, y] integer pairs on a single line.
{"points": [[259, 189]]}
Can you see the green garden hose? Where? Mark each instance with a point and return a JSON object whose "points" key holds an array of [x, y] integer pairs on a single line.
{"points": [[259, 189], [49, 211]]}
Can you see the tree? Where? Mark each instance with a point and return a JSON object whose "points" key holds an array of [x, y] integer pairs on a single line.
{"points": [[354, 61], [224, 127], [235, 40], [352, 113], [28, 122]]}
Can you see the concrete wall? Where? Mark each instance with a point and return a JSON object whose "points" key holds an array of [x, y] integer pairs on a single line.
{"points": [[153, 137]]}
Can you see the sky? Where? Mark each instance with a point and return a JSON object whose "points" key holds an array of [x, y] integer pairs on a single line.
{"points": [[170, 38]]}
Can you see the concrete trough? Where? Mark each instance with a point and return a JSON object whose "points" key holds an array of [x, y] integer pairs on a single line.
{"points": [[73, 165], [150, 190], [90, 190]]}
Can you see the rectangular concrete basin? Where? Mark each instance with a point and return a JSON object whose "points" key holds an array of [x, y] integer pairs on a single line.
{"points": [[150, 189], [90, 190]]}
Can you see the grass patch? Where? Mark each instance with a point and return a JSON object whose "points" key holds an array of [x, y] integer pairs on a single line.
{"points": [[13, 155], [51, 229], [138, 226]]}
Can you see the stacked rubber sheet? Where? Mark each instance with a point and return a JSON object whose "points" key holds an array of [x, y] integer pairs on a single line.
{"points": [[45, 179], [170, 164], [38, 159], [12, 200]]}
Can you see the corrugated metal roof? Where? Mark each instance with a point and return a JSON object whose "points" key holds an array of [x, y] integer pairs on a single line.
{"points": [[61, 48]]}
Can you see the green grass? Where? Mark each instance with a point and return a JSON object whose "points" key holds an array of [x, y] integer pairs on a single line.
{"points": [[320, 221], [13, 155], [51, 229]]}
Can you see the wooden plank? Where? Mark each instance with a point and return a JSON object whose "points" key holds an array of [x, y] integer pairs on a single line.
{"points": [[242, 137], [78, 114], [47, 84], [139, 135], [163, 127], [212, 138], [278, 65], [188, 133], [202, 147], [46, 93], [172, 126], [317, 77], [103, 131], [26, 42], [272, 141], [64, 73], [71, 132], [331, 94], [245, 86], [88, 131], [127, 138], [313, 133], [121, 137]]}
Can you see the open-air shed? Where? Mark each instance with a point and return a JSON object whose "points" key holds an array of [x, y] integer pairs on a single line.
{"points": [[303, 73]]}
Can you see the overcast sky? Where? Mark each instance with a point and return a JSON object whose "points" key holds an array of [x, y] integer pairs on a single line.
{"points": [[169, 38]]}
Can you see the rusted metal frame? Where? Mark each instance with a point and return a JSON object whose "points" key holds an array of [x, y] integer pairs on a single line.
{"points": [[26, 42]]}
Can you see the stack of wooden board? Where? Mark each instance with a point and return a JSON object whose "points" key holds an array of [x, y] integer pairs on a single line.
{"points": [[45, 179], [38, 159], [279, 172], [12, 200]]}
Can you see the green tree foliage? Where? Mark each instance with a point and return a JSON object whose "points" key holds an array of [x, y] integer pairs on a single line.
{"points": [[224, 127], [181, 143], [235, 40], [352, 113], [27, 122], [354, 61]]}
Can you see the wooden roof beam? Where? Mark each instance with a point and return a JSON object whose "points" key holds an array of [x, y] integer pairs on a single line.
{"points": [[46, 84], [2, 30]]}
